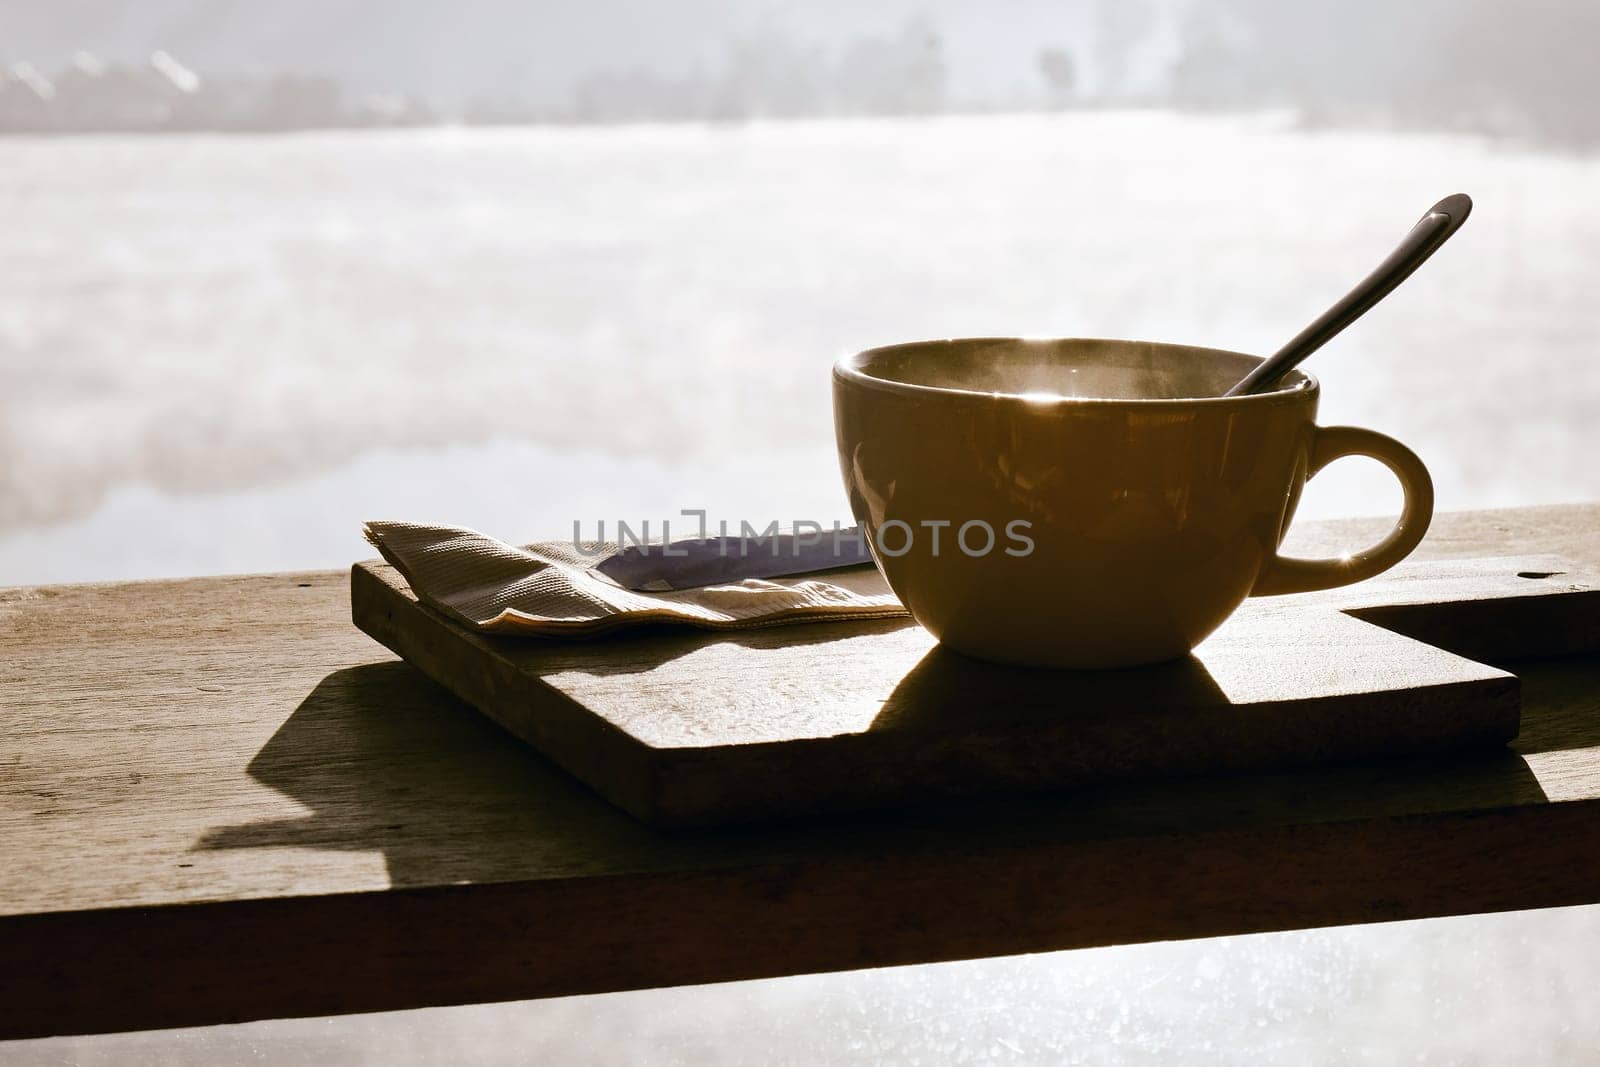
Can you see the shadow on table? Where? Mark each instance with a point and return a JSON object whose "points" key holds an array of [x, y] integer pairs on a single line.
{"points": [[388, 761], [1561, 704], [949, 692]]}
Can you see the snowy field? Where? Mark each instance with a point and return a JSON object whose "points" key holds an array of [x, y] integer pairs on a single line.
{"points": [[220, 354]]}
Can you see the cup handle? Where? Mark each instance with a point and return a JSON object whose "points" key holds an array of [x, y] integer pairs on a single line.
{"points": [[1284, 574]]}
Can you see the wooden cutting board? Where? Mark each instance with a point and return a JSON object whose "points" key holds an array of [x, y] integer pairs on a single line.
{"points": [[687, 728]]}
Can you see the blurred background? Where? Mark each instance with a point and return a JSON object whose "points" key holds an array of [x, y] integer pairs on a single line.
{"points": [[267, 271]]}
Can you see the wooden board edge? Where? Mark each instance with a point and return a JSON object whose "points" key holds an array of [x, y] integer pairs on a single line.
{"points": [[755, 782]]}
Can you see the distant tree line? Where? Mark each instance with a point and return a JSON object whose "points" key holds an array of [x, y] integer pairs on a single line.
{"points": [[769, 76], [91, 96], [1529, 69]]}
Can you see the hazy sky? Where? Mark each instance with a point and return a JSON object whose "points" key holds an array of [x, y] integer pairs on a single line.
{"points": [[449, 51]]}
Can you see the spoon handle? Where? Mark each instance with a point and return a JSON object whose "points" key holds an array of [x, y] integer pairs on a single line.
{"points": [[1431, 231]]}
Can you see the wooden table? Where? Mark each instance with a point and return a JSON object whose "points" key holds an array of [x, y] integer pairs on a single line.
{"points": [[221, 802]]}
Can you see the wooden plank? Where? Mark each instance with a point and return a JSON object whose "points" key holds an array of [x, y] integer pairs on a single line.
{"points": [[219, 801], [696, 729]]}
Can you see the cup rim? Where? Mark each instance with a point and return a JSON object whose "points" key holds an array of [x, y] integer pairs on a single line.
{"points": [[1301, 386]]}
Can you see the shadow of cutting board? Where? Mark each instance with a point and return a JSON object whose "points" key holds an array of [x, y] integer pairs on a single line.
{"points": [[691, 728]]}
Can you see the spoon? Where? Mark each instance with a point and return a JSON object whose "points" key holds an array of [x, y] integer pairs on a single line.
{"points": [[1431, 231]]}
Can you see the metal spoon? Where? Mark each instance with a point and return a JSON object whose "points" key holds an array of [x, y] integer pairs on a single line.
{"points": [[1431, 231]]}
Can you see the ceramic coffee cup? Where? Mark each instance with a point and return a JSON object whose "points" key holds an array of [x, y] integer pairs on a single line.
{"points": [[1085, 503]]}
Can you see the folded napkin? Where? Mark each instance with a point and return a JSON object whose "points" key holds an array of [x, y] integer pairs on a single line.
{"points": [[553, 590]]}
